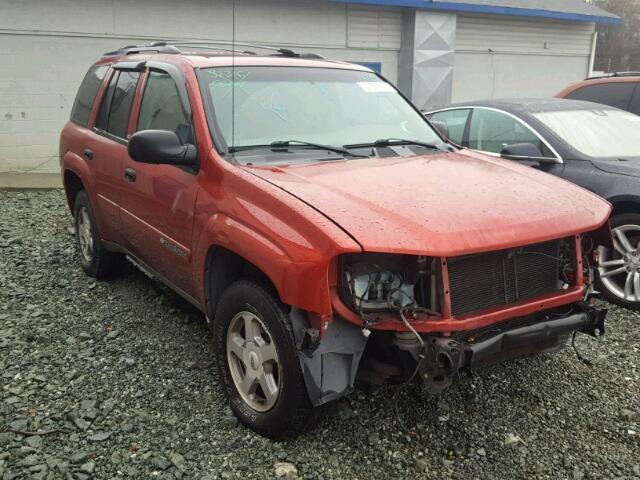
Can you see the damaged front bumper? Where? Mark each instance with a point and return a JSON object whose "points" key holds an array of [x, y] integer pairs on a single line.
{"points": [[441, 359]]}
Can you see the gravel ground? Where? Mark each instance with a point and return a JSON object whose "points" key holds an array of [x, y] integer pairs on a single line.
{"points": [[120, 377]]}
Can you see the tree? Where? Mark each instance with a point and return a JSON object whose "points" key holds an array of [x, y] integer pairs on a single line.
{"points": [[618, 47]]}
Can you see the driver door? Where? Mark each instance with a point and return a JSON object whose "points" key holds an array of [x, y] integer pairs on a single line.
{"points": [[158, 201]]}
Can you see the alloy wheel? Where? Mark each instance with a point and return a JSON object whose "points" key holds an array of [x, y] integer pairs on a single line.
{"points": [[253, 361], [85, 238], [620, 268]]}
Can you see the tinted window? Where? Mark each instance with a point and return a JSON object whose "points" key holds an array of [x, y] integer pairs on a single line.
{"points": [[616, 94], [635, 101], [456, 120], [121, 103], [162, 109], [116, 106], [491, 131], [87, 94], [103, 113]]}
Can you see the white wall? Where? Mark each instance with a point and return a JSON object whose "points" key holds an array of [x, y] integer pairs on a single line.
{"points": [[485, 76], [501, 57], [46, 46]]}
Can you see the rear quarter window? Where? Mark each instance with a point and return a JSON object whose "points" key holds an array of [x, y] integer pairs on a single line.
{"points": [[615, 94], [87, 94]]}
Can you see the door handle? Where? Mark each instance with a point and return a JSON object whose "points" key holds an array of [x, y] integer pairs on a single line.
{"points": [[88, 154], [130, 174]]}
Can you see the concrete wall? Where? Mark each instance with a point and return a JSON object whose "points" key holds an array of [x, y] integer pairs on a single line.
{"points": [[486, 75], [46, 47], [502, 57]]}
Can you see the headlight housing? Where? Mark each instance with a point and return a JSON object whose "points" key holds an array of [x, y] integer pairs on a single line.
{"points": [[377, 282]]}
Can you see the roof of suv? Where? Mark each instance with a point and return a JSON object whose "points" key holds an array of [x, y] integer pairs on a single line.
{"points": [[622, 77], [211, 55]]}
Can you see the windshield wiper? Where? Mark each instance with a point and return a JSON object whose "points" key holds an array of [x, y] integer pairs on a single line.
{"points": [[393, 142], [284, 145]]}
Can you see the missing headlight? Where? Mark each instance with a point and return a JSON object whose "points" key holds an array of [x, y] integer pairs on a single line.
{"points": [[373, 282]]}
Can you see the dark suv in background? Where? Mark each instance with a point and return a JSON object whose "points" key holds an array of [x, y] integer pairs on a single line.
{"points": [[620, 90]]}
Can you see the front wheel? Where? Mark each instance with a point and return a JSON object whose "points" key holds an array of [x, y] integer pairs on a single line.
{"points": [[619, 268], [258, 365]]}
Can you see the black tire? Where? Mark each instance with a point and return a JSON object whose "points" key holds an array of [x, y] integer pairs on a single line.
{"points": [[100, 263], [292, 414], [619, 221]]}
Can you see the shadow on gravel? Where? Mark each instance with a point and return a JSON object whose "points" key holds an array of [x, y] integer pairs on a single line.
{"points": [[120, 374]]}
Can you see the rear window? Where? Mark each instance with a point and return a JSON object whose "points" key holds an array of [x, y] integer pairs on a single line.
{"points": [[87, 94], [615, 94]]}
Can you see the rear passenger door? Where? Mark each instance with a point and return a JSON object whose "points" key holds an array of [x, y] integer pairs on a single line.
{"points": [[158, 201], [106, 148]]}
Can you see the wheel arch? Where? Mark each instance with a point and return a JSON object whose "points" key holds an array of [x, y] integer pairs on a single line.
{"points": [[73, 184], [224, 267], [625, 205]]}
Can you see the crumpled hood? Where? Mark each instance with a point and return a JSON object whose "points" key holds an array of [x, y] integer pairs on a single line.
{"points": [[441, 204]]}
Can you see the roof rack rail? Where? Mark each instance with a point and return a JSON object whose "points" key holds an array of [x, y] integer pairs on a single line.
{"points": [[614, 75], [172, 48], [158, 47]]}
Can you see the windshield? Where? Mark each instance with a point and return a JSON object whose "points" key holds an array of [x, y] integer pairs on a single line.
{"points": [[602, 133], [317, 105]]}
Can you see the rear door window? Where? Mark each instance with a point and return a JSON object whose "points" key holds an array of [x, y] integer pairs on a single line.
{"points": [[491, 131], [113, 116], [87, 94], [615, 94], [456, 121]]}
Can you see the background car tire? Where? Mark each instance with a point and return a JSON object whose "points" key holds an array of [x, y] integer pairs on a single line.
{"points": [[292, 412], [630, 222], [96, 261]]}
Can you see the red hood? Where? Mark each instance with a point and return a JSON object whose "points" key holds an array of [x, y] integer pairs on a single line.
{"points": [[443, 204]]}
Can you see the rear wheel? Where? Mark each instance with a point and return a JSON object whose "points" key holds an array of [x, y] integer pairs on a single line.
{"points": [[619, 268], [258, 364], [96, 261]]}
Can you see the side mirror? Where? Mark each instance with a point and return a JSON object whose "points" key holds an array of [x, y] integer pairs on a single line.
{"points": [[523, 151], [161, 147], [442, 127]]}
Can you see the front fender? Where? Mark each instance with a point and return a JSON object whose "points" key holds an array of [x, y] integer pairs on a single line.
{"points": [[303, 284]]}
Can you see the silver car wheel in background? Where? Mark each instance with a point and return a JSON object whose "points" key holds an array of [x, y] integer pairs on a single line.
{"points": [[620, 269], [253, 361], [85, 238]]}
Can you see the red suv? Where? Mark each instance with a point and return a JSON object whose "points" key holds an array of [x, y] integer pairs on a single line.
{"points": [[323, 226]]}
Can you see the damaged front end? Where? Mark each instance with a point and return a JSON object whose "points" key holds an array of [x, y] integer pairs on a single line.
{"points": [[440, 359], [401, 318]]}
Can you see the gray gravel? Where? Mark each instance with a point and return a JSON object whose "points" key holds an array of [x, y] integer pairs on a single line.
{"points": [[119, 379]]}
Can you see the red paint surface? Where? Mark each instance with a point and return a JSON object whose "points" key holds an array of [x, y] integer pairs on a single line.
{"points": [[293, 222], [441, 205]]}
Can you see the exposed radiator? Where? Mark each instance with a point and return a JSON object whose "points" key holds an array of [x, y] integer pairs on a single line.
{"points": [[477, 282]]}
